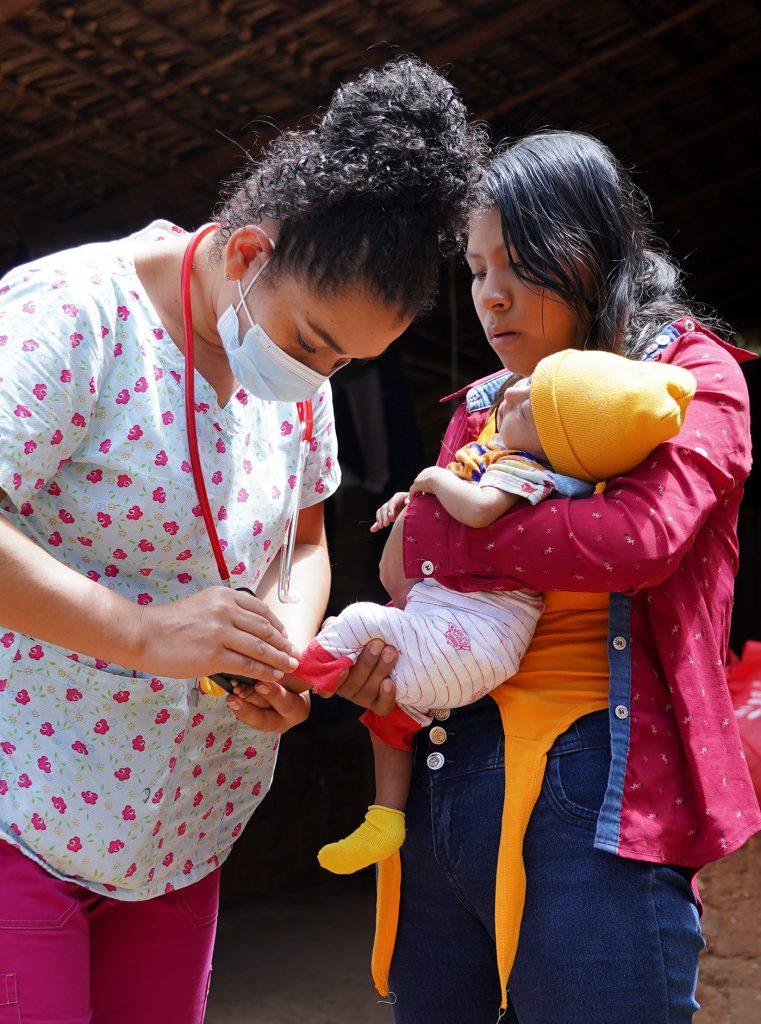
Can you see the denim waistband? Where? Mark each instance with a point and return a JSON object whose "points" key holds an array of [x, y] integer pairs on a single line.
{"points": [[475, 737]]}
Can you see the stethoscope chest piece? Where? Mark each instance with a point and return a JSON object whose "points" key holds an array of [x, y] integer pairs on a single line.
{"points": [[284, 594]]}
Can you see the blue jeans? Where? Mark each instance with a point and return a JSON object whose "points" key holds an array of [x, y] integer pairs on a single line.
{"points": [[604, 939]]}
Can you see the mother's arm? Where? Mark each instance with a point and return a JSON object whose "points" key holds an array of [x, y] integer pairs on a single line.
{"points": [[631, 536]]}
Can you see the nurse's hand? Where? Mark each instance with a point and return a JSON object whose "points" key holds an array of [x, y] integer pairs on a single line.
{"points": [[271, 708], [214, 630], [367, 683]]}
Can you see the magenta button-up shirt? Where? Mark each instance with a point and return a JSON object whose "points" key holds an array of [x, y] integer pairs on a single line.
{"points": [[662, 540]]}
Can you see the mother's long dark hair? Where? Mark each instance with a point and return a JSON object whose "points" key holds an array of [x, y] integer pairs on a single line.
{"points": [[577, 225]]}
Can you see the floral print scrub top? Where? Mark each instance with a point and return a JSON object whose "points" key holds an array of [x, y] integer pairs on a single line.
{"points": [[129, 784]]}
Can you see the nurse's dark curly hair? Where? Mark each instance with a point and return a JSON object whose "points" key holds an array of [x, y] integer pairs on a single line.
{"points": [[375, 194], [577, 225]]}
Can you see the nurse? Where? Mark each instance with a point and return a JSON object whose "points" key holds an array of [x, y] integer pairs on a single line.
{"points": [[155, 390]]}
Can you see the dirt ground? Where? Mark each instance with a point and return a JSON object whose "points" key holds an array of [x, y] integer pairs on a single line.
{"points": [[303, 958], [306, 957], [730, 973]]}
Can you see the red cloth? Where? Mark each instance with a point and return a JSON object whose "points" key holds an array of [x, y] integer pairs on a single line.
{"points": [[321, 669], [744, 679], [666, 534], [397, 729]]}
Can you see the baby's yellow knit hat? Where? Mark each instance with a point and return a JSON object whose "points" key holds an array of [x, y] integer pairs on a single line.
{"points": [[598, 414]]}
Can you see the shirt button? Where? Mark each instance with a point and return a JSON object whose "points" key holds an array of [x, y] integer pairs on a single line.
{"points": [[441, 714], [619, 642], [621, 711], [427, 568], [689, 325], [437, 735], [435, 761]]}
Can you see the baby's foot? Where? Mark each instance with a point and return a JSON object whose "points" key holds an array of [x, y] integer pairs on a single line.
{"points": [[379, 835]]}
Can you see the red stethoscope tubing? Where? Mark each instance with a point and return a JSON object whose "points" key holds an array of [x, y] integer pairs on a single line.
{"points": [[304, 408]]}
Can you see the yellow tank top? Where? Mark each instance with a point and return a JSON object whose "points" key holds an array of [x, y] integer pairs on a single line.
{"points": [[569, 648]]}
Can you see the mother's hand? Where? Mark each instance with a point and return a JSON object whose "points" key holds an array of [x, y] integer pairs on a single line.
{"points": [[367, 683]]}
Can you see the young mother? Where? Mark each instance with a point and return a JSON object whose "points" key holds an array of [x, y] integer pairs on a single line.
{"points": [[132, 483], [641, 792]]}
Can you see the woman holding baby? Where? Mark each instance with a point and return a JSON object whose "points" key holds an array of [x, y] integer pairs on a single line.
{"points": [[637, 581]]}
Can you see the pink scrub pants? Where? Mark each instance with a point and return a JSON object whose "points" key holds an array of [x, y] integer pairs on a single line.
{"points": [[70, 956]]}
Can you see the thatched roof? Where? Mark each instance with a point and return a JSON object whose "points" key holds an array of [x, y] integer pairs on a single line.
{"points": [[116, 111]]}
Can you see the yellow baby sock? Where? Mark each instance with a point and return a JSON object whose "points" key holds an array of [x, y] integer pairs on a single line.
{"points": [[379, 835]]}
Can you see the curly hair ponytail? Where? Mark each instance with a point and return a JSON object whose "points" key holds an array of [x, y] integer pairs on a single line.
{"points": [[375, 193]]}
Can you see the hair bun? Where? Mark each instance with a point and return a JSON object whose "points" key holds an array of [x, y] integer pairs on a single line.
{"points": [[402, 128], [375, 192]]}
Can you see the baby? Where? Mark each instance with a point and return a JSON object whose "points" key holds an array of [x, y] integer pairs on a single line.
{"points": [[581, 416]]}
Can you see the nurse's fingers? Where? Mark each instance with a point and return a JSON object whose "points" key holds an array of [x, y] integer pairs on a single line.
{"points": [[250, 657], [247, 692], [263, 631], [284, 709], [249, 602]]}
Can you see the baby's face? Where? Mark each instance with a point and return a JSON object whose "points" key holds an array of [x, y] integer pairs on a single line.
{"points": [[515, 420]]}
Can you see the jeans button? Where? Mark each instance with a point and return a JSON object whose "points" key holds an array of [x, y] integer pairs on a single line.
{"points": [[441, 714], [435, 761], [437, 735]]}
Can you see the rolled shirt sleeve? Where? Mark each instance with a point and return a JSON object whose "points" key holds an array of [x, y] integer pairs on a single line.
{"points": [[632, 535]]}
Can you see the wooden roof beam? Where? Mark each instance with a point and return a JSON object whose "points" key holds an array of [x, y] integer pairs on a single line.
{"points": [[683, 142], [208, 169], [36, 46], [692, 77], [605, 56], [144, 68], [77, 133], [178, 85], [139, 103], [110, 87], [10, 9], [162, 26], [749, 170], [219, 162], [515, 18]]}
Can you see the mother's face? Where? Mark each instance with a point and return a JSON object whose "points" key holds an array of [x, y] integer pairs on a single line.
{"points": [[523, 322]]}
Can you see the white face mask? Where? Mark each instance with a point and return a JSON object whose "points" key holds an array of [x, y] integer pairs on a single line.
{"points": [[261, 366]]}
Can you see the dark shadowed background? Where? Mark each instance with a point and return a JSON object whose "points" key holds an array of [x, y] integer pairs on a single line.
{"points": [[116, 112]]}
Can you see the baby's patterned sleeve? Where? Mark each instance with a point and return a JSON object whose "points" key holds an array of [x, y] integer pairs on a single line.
{"points": [[52, 359], [516, 474], [322, 474]]}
